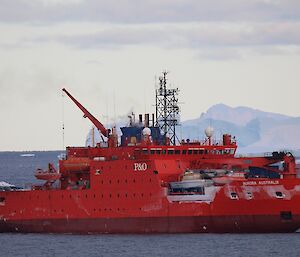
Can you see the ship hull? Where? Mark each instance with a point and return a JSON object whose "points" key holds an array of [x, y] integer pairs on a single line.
{"points": [[207, 224]]}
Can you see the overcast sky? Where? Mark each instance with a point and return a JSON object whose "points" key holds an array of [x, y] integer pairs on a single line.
{"points": [[108, 53]]}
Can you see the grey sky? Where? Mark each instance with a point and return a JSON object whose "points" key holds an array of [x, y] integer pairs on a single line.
{"points": [[107, 53]]}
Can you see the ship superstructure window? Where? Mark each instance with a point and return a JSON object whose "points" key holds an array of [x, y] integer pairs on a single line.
{"points": [[190, 151], [249, 195], [183, 151], [158, 151], [234, 196], [177, 151], [152, 151], [201, 151], [279, 195]]}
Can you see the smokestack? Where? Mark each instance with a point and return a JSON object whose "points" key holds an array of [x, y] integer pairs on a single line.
{"points": [[147, 120], [153, 123]]}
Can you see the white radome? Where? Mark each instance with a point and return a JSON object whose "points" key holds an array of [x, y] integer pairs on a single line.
{"points": [[146, 131], [209, 131]]}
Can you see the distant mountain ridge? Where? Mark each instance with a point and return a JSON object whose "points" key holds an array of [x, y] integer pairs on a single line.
{"points": [[239, 115], [255, 130]]}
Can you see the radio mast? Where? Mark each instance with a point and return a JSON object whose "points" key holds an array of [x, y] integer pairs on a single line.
{"points": [[167, 109]]}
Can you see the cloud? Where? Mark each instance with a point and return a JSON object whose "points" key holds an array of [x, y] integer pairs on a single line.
{"points": [[147, 11], [191, 35]]}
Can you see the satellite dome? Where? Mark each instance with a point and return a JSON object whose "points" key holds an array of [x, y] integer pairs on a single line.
{"points": [[146, 131], [209, 131]]}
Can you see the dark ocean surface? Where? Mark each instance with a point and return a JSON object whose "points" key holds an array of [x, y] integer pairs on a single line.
{"points": [[18, 170]]}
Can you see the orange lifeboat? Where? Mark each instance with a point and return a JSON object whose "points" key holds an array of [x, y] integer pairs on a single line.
{"points": [[49, 175]]}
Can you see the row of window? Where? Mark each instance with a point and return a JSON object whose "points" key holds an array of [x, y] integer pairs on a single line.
{"points": [[249, 196], [184, 152], [126, 181], [118, 195], [95, 210]]}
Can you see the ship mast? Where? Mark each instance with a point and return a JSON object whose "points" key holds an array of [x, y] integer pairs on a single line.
{"points": [[167, 109]]}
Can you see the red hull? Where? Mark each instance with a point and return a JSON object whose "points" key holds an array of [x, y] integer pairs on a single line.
{"points": [[225, 224]]}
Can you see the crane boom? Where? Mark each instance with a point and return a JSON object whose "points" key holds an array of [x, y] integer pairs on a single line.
{"points": [[88, 115]]}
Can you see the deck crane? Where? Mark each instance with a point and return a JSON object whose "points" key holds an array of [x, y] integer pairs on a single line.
{"points": [[112, 137]]}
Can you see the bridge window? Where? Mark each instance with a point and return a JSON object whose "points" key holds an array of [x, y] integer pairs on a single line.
{"points": [[195, 151], [152, 151], [201, 151], [158, 151], [190, 151], [145, 151], [183, 151], [177, 151]]}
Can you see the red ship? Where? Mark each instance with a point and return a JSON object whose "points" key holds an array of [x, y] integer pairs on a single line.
{"points": [[148, 182]]}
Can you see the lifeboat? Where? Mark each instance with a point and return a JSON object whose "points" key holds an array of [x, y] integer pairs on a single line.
{"points": [[49, 175]]}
